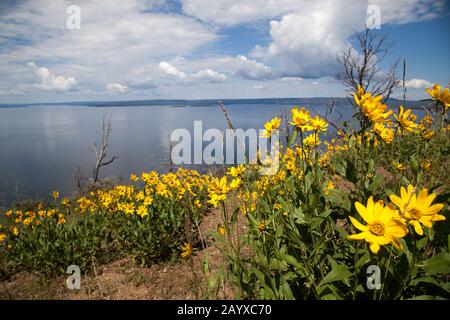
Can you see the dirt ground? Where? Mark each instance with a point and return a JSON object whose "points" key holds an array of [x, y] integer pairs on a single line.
{"points": [[123, 280]]}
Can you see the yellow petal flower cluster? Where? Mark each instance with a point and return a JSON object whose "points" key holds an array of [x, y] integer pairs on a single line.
{"points": [[371, 107], [417, 209]]}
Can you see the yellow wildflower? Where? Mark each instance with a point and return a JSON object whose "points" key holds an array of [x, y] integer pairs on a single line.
{"points": [[386, 134], [300, 119], [236, 171], [330, 186], [311, 140], [425, 165], [404, 121], [318, 124], [261, 227], [418, 210], [197, 203], [221, 230], [382, 226], [271, 126], [371, 107], [65, 202], [186, 250], [142, 211], [441, 96], [61, 219]]}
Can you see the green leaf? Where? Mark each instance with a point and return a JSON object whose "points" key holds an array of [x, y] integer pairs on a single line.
{"points": [[339, 199], [298, 215], [351, 173], [376, 183], [439, 264], [338, 273], [317, 221], [292, 137]]}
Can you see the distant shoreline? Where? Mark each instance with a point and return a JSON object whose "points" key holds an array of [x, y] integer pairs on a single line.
{"points": [[414, 104]]}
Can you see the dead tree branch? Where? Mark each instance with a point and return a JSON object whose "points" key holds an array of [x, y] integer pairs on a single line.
{"points": [[362, 68], [100, 151]]}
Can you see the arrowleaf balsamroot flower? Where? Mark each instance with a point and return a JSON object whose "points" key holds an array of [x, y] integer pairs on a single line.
{"points": [[383, 226], [300, 119], [386, 134], [417, 209], [319, 124], [271, 126], [404, 120], [440, 96], [186, 250], [372, 107]]}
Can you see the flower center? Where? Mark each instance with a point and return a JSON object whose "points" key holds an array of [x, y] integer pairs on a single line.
{"points": [[415, 214], [377, 228]]}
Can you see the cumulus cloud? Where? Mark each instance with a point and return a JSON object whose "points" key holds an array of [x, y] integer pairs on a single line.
{"points": [[51, 82], [116, 88], [114, 38], [418, 84], [312, 54], [306, 35], [170, 71], [251, 69], [210, 75]]}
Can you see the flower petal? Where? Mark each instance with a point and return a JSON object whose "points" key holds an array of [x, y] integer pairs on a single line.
{"points": [[358, 225], [362, 210], [374, 247], [358, 236], [417, 227]]}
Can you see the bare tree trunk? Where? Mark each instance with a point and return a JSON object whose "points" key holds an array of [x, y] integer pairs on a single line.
{"points": [[100, 151], [404, 80]]}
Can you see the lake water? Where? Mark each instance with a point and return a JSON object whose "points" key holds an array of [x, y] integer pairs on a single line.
{"points": [[40, 146]]}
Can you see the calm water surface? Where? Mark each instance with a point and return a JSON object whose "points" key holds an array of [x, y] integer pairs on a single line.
{"points": [[40, 146]]}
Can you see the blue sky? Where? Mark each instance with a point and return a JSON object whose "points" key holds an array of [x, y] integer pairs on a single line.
{"points": [[193, 49]]}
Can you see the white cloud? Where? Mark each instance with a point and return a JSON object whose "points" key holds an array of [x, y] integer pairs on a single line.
{"points": [[233, 12], [404, 11], [170, 71], [51, 82], [251, 69], [210, 75], [312, 53], [418, 84], [116, 88], [306, 35], [115, 37]]}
